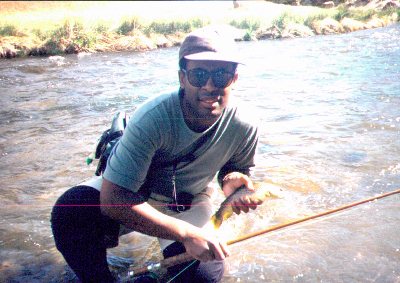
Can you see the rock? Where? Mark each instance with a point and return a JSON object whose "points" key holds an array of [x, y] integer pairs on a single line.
{"points": [[327, 26], [160, 40], [391, 4], [350, 25], [296, 30], [328, 4], [176, 39], [382, 4], [356, 3], [8, 52], [270, 33], [137, 43], [375, 23], [72, 48]]}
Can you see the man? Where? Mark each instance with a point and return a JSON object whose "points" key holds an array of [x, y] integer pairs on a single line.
{"points": [[157, 177]]}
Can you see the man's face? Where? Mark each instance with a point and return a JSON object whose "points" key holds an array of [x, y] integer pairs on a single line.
{"points": [[203, 104]]}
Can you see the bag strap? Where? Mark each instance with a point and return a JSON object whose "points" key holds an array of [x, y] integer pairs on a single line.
{"points": [[188, 154]]}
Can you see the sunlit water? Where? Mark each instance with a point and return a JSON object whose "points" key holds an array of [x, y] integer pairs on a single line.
{"points": [[329, 113]]}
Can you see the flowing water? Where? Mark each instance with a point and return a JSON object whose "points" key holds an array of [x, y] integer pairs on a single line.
{"points": [[329, 114]]}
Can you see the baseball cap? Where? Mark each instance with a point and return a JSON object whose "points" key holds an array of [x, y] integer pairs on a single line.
{"points": [[210, 43]]}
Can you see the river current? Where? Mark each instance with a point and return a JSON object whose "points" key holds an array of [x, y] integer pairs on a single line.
{"points": [[329, 114]]}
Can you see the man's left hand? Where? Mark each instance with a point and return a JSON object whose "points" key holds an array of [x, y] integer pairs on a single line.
{"points": [[234, 181]]}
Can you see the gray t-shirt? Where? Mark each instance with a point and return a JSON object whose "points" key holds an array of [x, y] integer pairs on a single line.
{"points": [[157, 134]]}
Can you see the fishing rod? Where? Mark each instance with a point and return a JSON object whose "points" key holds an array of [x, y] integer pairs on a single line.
{"points": [[185, 257]]}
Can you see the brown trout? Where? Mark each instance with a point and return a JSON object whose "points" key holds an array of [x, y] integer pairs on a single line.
{"points": [[259, 195]]}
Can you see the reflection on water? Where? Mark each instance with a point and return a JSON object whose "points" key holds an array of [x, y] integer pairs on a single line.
{"points": [[335, 249], [329, 114]]}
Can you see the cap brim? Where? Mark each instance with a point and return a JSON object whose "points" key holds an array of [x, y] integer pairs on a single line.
{"points": [[213, 56]]}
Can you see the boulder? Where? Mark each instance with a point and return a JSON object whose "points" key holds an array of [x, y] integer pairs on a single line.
{"points": [[327, 26], [160, 40], [391, 4], [350, 25], [176, 39], [328, 4], [8, 52], [375, 23], [383, 4], [136, 43], [270, 33], [296, 30]]}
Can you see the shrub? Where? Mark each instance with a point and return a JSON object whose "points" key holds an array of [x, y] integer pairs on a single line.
{"points": [[341, 12], [129, 25], [283, 20], [248, 24], [8, 30], [101, 28], [315, 17], [362, 15], [171, 27]]}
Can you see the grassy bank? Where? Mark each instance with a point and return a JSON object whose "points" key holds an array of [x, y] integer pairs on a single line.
{"points": [[59, 27]]}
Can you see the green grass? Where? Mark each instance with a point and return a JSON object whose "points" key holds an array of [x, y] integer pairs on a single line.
{"points": [[129, 25], [85, 29], [363, 15], [8, 30], [356, 14], [389, 12], [174, 26], [250, 24]]}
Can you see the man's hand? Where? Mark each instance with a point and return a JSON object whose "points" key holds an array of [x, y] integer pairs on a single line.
{"points": [[204, 245], [234, 181]]}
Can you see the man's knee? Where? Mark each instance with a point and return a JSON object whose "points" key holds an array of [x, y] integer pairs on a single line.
{"points": [[77, 214], [211, 271], [71, 215], [80, 232]]}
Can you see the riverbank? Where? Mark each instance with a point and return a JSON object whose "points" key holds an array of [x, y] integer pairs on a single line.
{"points": [[35, 28]]}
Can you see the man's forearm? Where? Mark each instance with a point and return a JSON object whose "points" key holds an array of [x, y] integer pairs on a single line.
{"points": [[119, 204]]}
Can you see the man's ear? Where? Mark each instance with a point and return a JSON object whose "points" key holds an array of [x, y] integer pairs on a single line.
{"points": [[181, 79]]}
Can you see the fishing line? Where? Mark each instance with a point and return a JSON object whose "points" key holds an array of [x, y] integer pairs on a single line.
{"points": [[183, 270]]}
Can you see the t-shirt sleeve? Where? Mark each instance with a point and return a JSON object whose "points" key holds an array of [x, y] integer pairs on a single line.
{"points": [[130, 159], [243, 159]]}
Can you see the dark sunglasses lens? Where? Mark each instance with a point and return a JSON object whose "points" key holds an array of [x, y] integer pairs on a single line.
{"points": [[222, 79], [198, 77]]}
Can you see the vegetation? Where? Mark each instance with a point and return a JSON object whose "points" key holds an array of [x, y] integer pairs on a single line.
{"points": [[49, 28]]}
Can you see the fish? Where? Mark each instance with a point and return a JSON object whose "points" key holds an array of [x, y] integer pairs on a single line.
{"points": [[260, 194]]}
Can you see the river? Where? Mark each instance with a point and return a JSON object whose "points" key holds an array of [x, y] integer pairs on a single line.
{"points": [[329, 113]]}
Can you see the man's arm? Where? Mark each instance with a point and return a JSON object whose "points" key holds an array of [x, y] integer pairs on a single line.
{"points": [[123, 206], [235, 173]]}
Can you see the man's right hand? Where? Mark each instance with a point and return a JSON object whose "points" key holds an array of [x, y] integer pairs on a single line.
{"points": [[204, 245]]}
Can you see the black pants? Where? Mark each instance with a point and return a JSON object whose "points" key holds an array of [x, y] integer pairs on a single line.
{"points": [[82, 234]]}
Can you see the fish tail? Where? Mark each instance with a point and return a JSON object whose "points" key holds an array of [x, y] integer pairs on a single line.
{"points": [[216, 221]]}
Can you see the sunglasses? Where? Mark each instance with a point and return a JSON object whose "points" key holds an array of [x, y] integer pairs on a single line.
{"points": [[199, 77]]}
